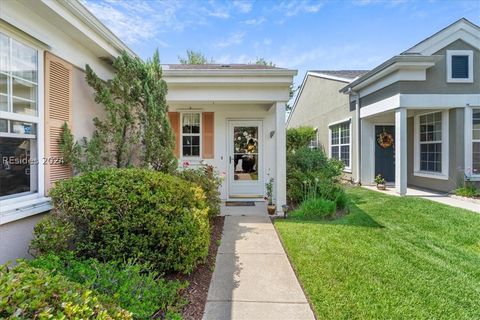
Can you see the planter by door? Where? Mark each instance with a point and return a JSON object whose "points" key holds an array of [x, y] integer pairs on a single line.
{"points": [[385, 155], [245, 159]]}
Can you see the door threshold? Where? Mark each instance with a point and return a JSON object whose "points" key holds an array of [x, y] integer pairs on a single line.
{"points": [[246, 196]]}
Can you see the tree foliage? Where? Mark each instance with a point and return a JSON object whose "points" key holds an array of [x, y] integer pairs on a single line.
{"points": [[135, 130], [195, 57]]}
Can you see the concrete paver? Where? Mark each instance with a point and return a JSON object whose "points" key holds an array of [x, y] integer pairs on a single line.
{"points": [[253, 278]]}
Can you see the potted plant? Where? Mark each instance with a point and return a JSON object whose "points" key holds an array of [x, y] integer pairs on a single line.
{"points": [[380, 181], [270, 205]]}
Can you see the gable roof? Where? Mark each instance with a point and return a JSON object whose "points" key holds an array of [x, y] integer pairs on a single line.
{"points": [[340, 75], [346, 76], [462, 27], [421, 54]]}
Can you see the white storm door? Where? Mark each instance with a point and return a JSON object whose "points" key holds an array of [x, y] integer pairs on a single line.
{"points": [[245, 159]]}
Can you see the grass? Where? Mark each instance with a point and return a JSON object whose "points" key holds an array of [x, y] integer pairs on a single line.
{"points": [[389, 258]]}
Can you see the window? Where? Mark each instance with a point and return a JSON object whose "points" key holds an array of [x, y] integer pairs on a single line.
{"points": [[459, 66], [340, 143], [476, 142], [191, 135], [431, 142], [18, 107]]}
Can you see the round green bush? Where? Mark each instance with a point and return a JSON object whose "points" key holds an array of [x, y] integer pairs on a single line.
{"points": [[118, 214], [30, 293]]}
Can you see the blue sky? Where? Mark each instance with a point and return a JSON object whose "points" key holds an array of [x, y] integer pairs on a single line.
{"points": [[303, 35]]}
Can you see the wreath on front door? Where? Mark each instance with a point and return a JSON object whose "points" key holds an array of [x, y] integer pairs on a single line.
{"points": [[385, 140]]}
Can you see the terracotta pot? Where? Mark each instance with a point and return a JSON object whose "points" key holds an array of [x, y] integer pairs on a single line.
{"points": [[271, 209], [381, 186]]}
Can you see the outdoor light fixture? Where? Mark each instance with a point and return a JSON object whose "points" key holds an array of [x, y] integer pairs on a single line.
{"points": [[284, 209], [272, 133]]}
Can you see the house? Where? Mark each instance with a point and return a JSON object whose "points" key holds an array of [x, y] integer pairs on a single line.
{"points": [[320, 105], [230, 116], [416, 116]]}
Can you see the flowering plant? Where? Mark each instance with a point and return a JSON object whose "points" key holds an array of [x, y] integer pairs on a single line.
{"points": [[269, 188]]}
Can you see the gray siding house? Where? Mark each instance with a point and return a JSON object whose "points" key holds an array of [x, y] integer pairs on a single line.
{"points": [[416, 117], [320, 105]]}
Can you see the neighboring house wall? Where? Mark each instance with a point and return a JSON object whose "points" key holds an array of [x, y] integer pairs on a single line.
{"points": [[321, 104]]}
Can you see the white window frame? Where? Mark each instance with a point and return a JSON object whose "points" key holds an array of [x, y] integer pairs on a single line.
{"points": [[338, 123], [469, 175], [445, 147], [199, 157], [13, 207], [469, 54]]}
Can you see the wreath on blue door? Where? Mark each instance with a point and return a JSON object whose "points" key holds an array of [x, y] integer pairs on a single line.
{"points": [[385, 140]]}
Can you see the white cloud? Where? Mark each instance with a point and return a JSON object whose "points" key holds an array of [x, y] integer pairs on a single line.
{"points": [[292, 8], [243, 6], [255, 21], [234, 39], [129, 27]]}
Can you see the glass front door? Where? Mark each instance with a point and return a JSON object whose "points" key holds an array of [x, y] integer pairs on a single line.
{"points": [[245, 174]]}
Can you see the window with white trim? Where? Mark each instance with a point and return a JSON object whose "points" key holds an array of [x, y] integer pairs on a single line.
{"points": [[459, 66], [191, 135], [340, 143], [476, 141], [18, 117], [431, 142]]}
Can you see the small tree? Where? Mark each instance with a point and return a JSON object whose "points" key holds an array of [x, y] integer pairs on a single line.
{"points": [[135, 130], [195, 57]]}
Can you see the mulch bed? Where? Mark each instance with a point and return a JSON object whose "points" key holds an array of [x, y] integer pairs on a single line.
{"points": [[199, 280]]}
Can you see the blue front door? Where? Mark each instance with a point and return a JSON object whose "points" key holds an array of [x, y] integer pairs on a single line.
{"points": [[385, 152]]}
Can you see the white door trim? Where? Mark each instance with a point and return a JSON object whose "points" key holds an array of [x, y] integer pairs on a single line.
{"points": [[261, 170]]}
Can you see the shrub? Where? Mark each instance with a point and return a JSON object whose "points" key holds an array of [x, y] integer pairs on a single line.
{"points": [[205, 177], [310, 173], [468, 191], [31, 293], [127, 285], [315, 208], [53, 234], [121, 214], [299, 137]]}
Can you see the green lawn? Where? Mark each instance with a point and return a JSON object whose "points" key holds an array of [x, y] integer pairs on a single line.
{"points": [[389, 258]]}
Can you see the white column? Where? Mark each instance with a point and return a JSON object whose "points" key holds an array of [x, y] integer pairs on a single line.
{"points": [[280, 156], [401, 151]]}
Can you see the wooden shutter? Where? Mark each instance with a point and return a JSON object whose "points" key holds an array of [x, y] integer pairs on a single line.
{"points": [[58, 110], [174, 118], [208, 131]]}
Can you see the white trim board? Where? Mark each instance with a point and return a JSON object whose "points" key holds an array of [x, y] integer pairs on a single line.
{"points": [[420, 101]]}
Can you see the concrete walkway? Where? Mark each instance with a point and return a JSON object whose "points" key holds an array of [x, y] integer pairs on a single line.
{"points": [[443, 198], [253, 278]]}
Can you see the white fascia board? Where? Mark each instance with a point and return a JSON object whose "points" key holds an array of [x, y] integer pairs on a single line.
{"points": [[460, 30], [439, 100], [228, 80], [329, 77], [227, 72], [387, 104]]}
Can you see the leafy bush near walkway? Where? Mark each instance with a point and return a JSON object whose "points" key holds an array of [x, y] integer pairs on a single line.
{"points": [[120, 214], [205, 177], [127, 285], [31, 293], [311, 174]]}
